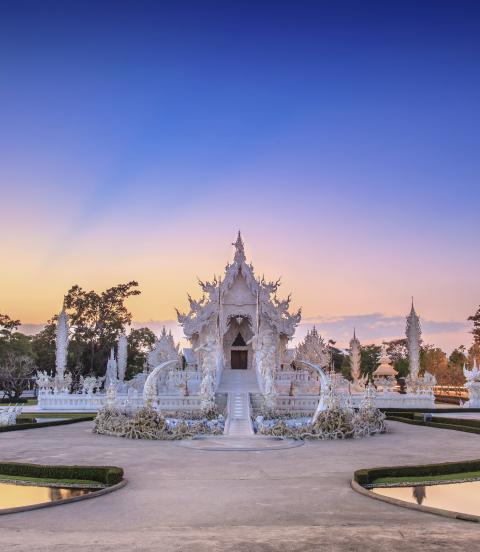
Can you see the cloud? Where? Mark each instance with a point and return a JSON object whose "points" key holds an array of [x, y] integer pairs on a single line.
{"points": [[370, 328], [377, 327]]}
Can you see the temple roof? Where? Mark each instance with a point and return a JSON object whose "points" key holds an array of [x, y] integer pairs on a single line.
{"points": [[271, 309]]}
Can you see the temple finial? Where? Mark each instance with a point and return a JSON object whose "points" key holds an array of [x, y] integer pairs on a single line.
{"points": [[239, 248]]}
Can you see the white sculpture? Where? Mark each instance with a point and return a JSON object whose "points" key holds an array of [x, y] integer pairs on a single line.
{"points": [[313, 349], [208, 354], [111, 372], [61, 345], [472, 385], [122, 355], [43, 380], [111, 396], [325, 388], [165, 349], [91, 384], [8, 416], [414, 334], [150, 387], [359, 381]]}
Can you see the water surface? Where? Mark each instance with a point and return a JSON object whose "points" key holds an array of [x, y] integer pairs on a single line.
{"points": [[14, 496], [458, 497]]}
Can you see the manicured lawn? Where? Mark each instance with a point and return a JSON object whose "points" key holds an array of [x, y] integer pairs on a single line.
{"points": [[422, 478]]}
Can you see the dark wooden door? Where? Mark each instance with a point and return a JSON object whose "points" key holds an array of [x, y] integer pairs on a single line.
{"points": [[239, 360]]}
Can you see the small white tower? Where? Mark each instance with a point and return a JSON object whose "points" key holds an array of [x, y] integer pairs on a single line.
{"points": [[355, 358], [122, 353], [61, 345], [111, 373], [414, 339]]}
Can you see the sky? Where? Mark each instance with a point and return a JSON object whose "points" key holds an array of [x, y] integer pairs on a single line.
{"points": [[342, 138]]}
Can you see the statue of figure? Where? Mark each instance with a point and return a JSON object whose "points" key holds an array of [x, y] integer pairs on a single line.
{"points": [[472, 385], [265, 350], [43, 381], [209, 351], [111, 396], [111, 371]]}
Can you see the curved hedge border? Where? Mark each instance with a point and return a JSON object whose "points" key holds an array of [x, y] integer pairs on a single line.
{"points": [[367, 477], [50, 423], [107, 475], [458, 424], [110, 476]]}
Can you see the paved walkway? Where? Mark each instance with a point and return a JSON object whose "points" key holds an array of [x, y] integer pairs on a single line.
{"points": [[187, 500]]}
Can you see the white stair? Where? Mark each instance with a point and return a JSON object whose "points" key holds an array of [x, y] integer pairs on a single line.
{"points": [[238, 422]]}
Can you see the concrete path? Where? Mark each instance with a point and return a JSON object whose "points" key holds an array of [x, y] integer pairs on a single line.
{"points": [[187, 500]]}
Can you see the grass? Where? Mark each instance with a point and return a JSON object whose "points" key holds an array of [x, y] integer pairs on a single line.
{"points": [[65, 482], [425, 478], [57, 415]]}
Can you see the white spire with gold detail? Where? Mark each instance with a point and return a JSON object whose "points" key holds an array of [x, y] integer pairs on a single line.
{"points": [[414, 340]]}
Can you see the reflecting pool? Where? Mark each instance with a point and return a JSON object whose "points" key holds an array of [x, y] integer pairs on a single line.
{"points": [[14, 496], [458, 497]]}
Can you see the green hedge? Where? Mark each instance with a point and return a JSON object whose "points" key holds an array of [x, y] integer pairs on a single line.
{"points": [[456, 424], [434, 410], [108, 475], [368, 476], [36, 425]]}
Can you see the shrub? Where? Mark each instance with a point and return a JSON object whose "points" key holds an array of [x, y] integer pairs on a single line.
{"points": [[108, 475]]}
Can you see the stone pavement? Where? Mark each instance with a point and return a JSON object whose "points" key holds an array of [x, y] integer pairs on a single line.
{"points": [[188, 500]]}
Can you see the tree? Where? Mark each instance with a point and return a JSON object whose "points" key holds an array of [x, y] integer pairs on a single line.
{"points": [[337, 356], [369, 359], [16, 370], [140, 343], [7, 326], [475, 318], [397, 350], [43, 345], [96, 321], [346, 369], [435, 361]]}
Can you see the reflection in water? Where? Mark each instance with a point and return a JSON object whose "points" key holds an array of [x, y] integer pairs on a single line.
{"points": [[458, 497], [14, 496], [419, 493]]}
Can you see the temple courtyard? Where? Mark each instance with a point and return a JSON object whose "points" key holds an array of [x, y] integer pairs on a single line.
{"points": [[184, 499]]}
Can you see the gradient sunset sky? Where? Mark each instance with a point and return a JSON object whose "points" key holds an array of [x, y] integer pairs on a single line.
{"points": [[342, 138]]}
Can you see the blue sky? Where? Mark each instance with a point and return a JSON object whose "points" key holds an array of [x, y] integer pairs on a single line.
{"points": [[341, 137]]}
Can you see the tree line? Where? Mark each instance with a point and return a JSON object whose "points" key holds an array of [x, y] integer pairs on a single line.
{"points": [[96, 321]]}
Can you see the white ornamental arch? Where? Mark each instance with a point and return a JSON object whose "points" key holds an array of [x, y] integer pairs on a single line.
{"points": [[325, 384], [150, 387]]}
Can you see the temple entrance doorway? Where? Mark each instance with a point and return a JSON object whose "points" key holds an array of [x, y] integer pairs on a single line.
{"points": [[239, 360]]}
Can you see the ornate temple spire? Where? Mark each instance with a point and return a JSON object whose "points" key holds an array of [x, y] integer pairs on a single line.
{"points": [[61, 342], [111, 372], [239, 249], [355, 358], [122, 353], [414, 335]]}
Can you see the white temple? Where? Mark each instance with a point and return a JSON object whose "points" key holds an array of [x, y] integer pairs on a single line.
{"points": [[239, 333], [240, 324]]}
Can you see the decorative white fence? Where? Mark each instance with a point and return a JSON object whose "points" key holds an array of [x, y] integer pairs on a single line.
{"points": [[92, 403]]}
